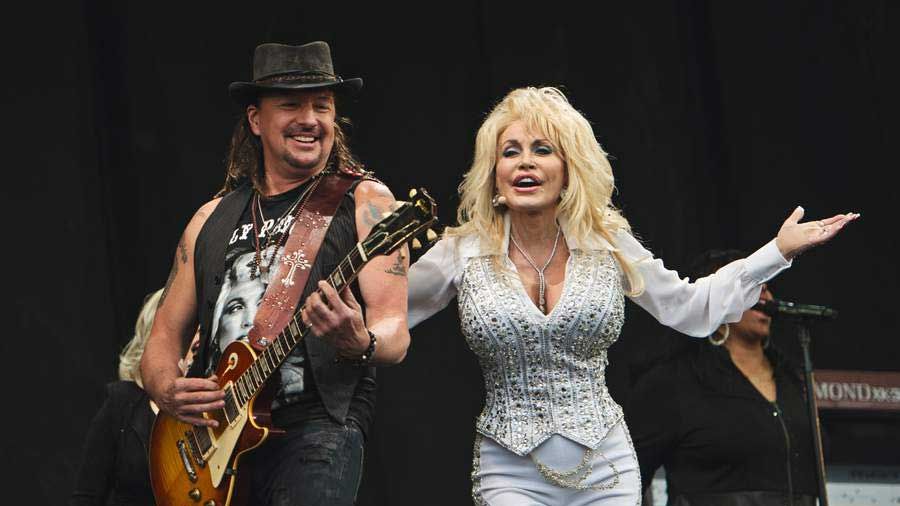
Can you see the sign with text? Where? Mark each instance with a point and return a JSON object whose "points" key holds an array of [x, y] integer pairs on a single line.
{"points": [[858, 390]]}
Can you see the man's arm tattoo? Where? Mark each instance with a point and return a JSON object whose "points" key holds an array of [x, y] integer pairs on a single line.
{"points": [[181, 254], [373, 216], [397, 268], [182, 249], [172, 274]]}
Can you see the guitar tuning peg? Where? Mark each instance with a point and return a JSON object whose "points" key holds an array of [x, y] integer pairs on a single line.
{"points": [[416, 244], [412, 193], [430, 235]]}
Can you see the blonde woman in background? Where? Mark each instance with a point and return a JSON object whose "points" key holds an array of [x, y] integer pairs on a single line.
{"points": [[114, 463], [540, 264]]}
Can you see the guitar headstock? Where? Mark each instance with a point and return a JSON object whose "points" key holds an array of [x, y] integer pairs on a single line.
{"points": [[403, 224]]}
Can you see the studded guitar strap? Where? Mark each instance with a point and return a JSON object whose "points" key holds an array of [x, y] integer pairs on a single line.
{"points": [[287, 281]]}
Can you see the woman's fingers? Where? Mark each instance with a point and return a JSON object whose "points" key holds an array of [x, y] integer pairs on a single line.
{"points": [[834, 219], [794, 237], [828, 228], [795, 216]]}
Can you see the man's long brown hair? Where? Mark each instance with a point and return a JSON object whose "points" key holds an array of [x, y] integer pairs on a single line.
{"points": [[245, 155]]}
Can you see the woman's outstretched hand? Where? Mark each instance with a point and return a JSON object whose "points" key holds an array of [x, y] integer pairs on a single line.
{"points": [[795, 237]]}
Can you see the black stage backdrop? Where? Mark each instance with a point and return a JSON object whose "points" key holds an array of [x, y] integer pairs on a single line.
{"points": [[721, 117]]}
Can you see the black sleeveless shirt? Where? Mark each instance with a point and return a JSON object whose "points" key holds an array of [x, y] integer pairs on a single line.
{"points": [[310, 384]]}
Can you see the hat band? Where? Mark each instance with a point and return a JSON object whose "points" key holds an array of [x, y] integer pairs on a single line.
{"points": [[306, 77]]}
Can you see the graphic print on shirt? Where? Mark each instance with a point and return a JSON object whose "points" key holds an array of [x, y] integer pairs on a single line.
{"points": [[243, 288]]}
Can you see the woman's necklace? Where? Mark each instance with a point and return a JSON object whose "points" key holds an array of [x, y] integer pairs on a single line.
{"points": [[542, 283]]}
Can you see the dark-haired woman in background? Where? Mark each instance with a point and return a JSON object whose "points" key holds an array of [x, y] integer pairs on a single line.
{"points": [[114, 467], [726, 418]]}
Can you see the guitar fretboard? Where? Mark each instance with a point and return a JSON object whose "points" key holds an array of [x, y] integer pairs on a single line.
{"points": [[395, 229], [267, 361]]}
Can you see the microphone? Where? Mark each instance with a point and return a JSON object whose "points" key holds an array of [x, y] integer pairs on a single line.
{"points": [[776, 308]]}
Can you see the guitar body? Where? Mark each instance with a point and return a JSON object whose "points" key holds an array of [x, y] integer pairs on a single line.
{"points": [[199, 465]]}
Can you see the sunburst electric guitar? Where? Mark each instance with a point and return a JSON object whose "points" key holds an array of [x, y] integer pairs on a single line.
{"points": [[192, 465]]}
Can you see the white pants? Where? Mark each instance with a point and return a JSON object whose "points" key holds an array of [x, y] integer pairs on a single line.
{"points": [[502, 478]]}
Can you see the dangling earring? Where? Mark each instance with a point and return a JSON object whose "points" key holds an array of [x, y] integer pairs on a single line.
{"points": [[721, 341], [498, 200], [767, 342], [563, 193]]}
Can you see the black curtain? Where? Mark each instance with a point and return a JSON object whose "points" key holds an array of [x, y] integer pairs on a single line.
{"points": [[721, 118]]}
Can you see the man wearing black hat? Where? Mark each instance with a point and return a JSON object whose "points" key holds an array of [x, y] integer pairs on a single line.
{"points": [[287, 148]]}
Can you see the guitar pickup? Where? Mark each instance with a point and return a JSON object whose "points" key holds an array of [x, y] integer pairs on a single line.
{"points": [[194, 445]]}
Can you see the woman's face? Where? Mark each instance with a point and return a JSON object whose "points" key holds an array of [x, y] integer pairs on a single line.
{"points": [[530, 171], [754, 324], [239, 310]]}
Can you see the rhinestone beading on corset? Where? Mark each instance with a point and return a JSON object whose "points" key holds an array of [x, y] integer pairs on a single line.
{"points": [[544, 374]]}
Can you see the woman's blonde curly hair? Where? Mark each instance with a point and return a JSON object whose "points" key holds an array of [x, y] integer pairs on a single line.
{"points": [[130, 358], [587, 204]]}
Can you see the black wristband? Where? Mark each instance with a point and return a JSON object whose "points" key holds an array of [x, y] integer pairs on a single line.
{"points": [[370, 351], [367, 355]]}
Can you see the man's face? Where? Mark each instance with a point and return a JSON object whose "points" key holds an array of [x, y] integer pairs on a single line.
{"points": [[296, 129]]}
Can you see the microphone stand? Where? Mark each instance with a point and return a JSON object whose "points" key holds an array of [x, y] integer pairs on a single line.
{"points": [[816, 428]]}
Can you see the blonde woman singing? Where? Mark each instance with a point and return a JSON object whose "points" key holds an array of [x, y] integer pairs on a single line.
{"points": [[540, 264]]}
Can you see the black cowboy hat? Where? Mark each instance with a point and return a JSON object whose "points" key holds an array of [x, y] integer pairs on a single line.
{"points": [[283, 67]]}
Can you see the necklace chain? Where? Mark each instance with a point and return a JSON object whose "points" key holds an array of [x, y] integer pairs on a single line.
{"points": [[542, 283], [295, 210], [287, 211], [271, 235]]}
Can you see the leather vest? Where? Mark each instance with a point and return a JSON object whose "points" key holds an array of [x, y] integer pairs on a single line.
{"points": [[335, 383]]}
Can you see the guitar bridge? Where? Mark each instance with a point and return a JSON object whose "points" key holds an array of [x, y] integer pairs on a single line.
{"points": [[186, 461]]}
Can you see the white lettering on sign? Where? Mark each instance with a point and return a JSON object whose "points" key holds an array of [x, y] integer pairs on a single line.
{"points": [[861, 392]]}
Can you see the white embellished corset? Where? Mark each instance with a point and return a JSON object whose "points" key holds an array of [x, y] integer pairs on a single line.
{"points": [[544, 374]]}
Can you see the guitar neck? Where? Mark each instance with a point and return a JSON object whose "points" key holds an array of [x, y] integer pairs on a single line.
{"points": [[267, 361]]}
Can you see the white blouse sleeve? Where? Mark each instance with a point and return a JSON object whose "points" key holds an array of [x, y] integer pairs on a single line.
{"points": [[698, 308], [432, 281]]}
